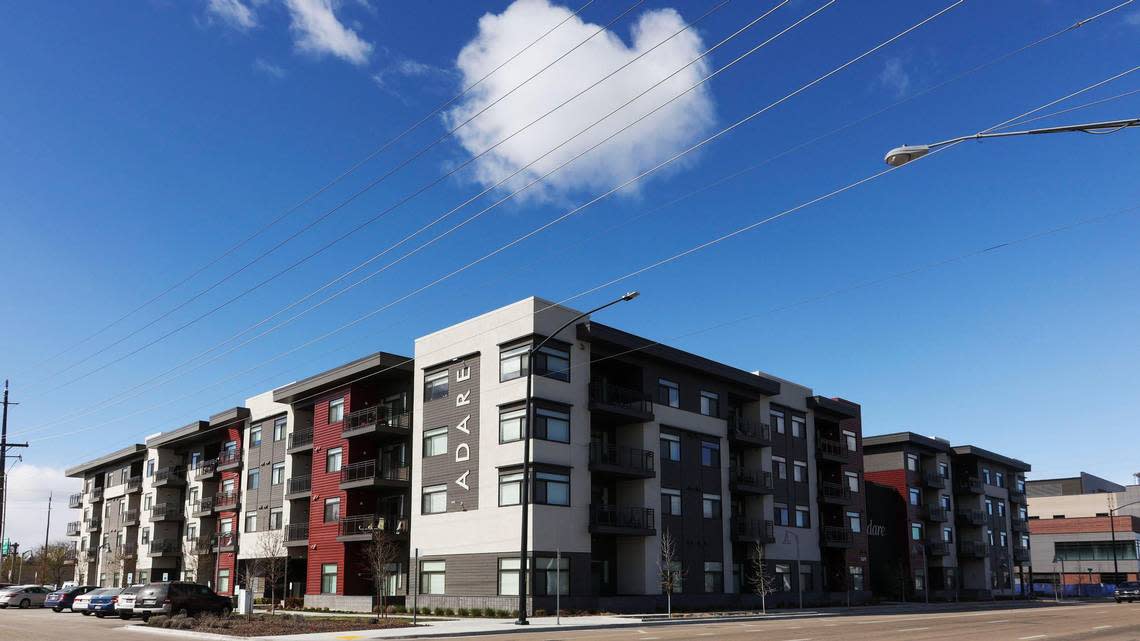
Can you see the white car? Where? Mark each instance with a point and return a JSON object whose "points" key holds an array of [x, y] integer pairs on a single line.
{"points": [[23, 596], [125, 606], [81, 602]]}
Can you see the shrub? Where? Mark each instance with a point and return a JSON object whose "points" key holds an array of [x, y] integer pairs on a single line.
{"points": [[449, 612], [489, 612], [425, 610], [439, 611], [185, 624], [156, 622], [463, 612], [401, 609], [539, 612], [391, 609], [502, 614]]}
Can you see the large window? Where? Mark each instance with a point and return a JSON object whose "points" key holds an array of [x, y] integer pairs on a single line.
{"points": [[279, 428], [435, 442], [783, 577], [432, 575], [780, 512], [552, 362], [856, 574], [251, 521], [670, 447], [799, 427], [435, 385], [551, 425], [916, 531], [852, 481], [253, 479], [434, 499], [332, 509], [780, 467], [278, 474], [714, 576], [853, 522], [911, 462], [333, 458], [336, 410], [710, 403], [512, 363], [915, 495], [328, 578], [803, 516], [255, 436], [510, 488], [276, 518], [223, 581], [551, 575], [511, 425], [710, 454], [551, 489], [799, 471], [670, 502], [710, 506], [509, 576], [777, 418], [668, 393]]}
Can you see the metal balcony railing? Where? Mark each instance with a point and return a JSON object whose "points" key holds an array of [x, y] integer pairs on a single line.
{"points": [[970, 484], [298, 484], [73, 528], [837, 536], [300, 439], [160, 511], [224, 500], [743, 429], [933, 480], [225, 541], [621, 397], [936, 513], [754, 530], [96, 494], [229, 458], [169, 474], [834, 492], [622, 458], [371, 471], [833, 449], [206, 469], [134, 484], [376, 416], [93, 525], [971, 516], [612, 516], [751, 477], [164, 546], [75, 500], [297, 532], [130, 516]]}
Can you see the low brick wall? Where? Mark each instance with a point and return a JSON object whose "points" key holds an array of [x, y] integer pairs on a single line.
{"points": [[339, 602]]}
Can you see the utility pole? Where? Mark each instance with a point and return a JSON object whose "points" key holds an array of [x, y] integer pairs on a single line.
{"points": [[4, 445]]}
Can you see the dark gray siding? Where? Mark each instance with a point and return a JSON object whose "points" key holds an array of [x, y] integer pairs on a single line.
{"points": [[459, 408]]}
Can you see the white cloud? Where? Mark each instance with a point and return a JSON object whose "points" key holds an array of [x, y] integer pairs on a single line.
{"points": [[317, 30], [262, 65], [894, 77], [233, 13], [28, 488], [1133, 18], [647, 143]]}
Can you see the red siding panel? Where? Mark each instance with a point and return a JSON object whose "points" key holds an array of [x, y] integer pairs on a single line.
{"points": [[323, 546]]}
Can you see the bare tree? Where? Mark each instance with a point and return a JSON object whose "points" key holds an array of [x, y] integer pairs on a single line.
{"points": [[113, 557], [668, 571], [272, 555], [763, 582], [196, 551], [53, 561], [380, 553]]}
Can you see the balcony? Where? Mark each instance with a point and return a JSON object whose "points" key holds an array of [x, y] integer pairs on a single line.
{"points": [[74, 528], [206, 470], [938, 548], [229, 460], [749, 433], [90, 555], [226, 501], [369, 474], [1020, 554], [1019, 524], [165, 547], [72, 557], [834, 493], [936, 513], [376, 420], [129, 550], [362, 526], [96, 494], [299, 487], [171, 476], [202, 507], [970, 485], [94, 525], [134, 484], [301, 441], [934, 480], [620, 402], [130, 517], [225, 542], [75, 500], [749, 481], [166, 512], [753, 531], [972, 517], [835, 536], [972, 549], [1017, 496], [622, 461], [622, 521], [297, 534], [832, 450]]}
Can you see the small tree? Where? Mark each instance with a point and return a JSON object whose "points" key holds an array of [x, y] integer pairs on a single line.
{"points": [[763, 582], [667, 570], [380, 553], [53, 561], [272, 555], [196, 551], [113, 557]]}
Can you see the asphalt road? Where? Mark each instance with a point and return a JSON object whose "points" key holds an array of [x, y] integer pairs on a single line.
{"points": [[41, 624]]}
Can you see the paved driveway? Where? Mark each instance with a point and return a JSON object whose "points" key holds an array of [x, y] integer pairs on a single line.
{"points": [[41, 624]]}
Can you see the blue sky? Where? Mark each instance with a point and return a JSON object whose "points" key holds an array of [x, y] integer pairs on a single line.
{"points": [[138, 141]]}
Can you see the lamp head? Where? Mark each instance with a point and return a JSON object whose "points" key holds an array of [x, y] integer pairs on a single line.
{"points": [[900, 156], [630, 296]]}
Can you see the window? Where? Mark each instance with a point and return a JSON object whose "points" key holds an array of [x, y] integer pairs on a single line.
{"points": [[1001, 508], [999, 479], [714, 576], [276, 518], [328, 578], [228, 486], [710, 506], [332, 509], [509, 576], [251, 521], [853, 522], [852, 444], [150, 467], [852, 481], [278, 474], [670, 447], [146, 536], [915, 496], [783, 577], [510, 488], [191, 531], [552, 362], [512, 363], [336, 410], [279, 428], [781, 514], [551, 489], [799, 472], [780, 467], [255, 436], [944, 470], [990, 536], [510, 426], [195, 460], [778, 421], [434, 499], [1019, 483], [919, 580], [253, 479], [916, 531], [948, 534], [799, 427], [1004, 538], [670, 502], [668, 393], [710, 403], [333, 459], [986, 476], [551, 575], [435, 385], [803, 516], [944, 501], [435, 442], [678, 576], [806, 582], [710, 454], [432, 576], [223, 580], [990, 506], [912, 462], [551, 425]]}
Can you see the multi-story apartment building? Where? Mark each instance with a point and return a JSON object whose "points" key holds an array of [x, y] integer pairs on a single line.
{"points": [[633, 442], [957, 526], [106, 537]]}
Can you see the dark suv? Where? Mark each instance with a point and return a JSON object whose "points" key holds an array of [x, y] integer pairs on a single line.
{"points": [[179, 597], [1127, 591]]}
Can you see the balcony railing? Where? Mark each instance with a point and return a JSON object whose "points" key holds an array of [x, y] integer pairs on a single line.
{"points": [[1018, 523], [837, 536], [96, 494], [937, 513], [163, 547], [131, 517], [297, 533], [165, 511], [134, 484], [1020, 553], [93, 525], [129, 550], [972, 548], [368, 472], [835, 492], [299, 485], [1016, 496], [224, 501], [626, 400], [206, 469], [744, 479], [225, 541], [753, 530], [377, 417], [612, 519], [833, 450], [971, 516], [747, 431], [74, 527], [171, 475], [933, 480], [938, 548], [970, 485], [75, 500], [622, 460], [203, 506], [301, 439], [229, 459]]}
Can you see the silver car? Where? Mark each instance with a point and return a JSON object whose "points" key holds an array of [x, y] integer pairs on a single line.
{"points": [[24, 596]]}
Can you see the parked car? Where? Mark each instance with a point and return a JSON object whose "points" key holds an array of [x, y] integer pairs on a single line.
{"points": [[103, 602], [179, 597], [23, 596], [1127, 591], [65, 598], [83, 601], [125, 603]]}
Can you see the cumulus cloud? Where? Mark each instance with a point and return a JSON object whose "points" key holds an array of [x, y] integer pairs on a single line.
{"points": [[317, 30], [28, 488], [894, 77], [644, 145], [261, 65], [233, 13]]}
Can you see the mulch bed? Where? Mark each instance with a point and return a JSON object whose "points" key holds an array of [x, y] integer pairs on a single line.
{"points": [[271, 625]]}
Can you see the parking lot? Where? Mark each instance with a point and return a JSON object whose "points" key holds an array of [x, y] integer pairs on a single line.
{"points": [[37, 624]]}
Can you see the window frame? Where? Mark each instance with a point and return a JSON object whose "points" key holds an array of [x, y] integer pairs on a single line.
{"points": [[668, 393], [543, 481], [332, 502], [674, 499], [431, 492], [710, 404], [438, 569], [433, 389], [325, 574], [433, 436], [712, 448], [515, 416], [671, 439], [337, 403], [338, 452], [711, 506], [507, 480]]}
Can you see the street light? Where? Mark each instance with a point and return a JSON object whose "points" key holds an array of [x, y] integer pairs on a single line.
{"points": [[1061, 579], [1112, 525], [526, 446], [900, 156]]}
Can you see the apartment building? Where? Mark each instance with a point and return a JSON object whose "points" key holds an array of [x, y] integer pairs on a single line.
{"points": [[1084, 530], [105, 539], [952, 519]]}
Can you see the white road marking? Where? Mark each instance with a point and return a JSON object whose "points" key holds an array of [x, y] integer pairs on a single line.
{"points": [[1102, 627], [799, 639], [999, 621], [1036, 636], [912, 629], [706, 634]]}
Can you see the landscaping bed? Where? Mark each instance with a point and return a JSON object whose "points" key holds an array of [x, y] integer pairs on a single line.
{"points": [[272, 624]]}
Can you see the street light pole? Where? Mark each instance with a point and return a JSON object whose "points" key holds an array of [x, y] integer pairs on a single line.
{"points": [[900, 156], [1112, 526], [525, 498]]}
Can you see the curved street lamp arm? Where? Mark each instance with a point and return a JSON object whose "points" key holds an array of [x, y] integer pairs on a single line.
{"points": [[1087, 127]]}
